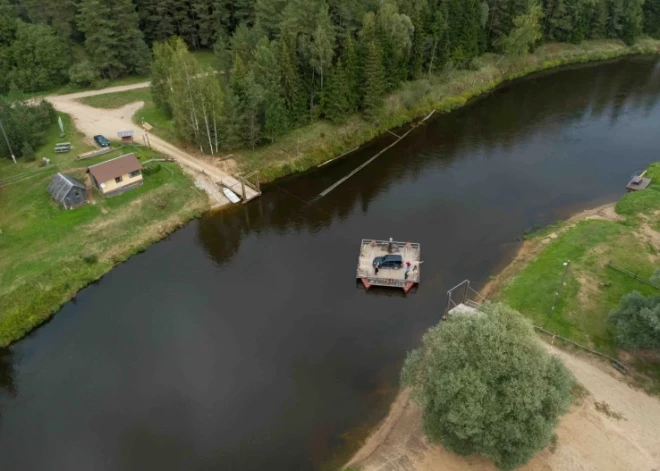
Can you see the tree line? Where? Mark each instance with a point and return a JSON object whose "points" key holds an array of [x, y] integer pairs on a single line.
{"points": [[46, 44], [283, 63]]}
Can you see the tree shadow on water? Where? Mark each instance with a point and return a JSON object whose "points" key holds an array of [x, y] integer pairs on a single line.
{"points": [[8, 387]]}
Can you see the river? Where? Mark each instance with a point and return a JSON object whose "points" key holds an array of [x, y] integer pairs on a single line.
{"points": [[241, 341]]}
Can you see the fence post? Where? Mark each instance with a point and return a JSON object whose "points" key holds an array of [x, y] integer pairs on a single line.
{"points": [[559, 287]]}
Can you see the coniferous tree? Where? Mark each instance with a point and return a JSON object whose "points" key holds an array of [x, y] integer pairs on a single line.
{"points": [[268, 74], [268, 16], [394, 32], [351, 65], [113, 41], [294, 95], [336, 106], [652, 18], [633, 21], [373, 76]]}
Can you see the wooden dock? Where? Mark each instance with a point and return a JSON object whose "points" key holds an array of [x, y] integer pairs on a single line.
{"points": [[405, 278], [638, 182]]}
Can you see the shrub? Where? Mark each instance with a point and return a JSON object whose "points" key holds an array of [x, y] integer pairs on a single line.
{"points": [[83, 73], [151, 168], [637, 321], [28, 152], [487, 385], [90, 259], [414, 92]]}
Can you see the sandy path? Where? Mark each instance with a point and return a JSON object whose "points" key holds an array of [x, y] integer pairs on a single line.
{"points": [[109, 122], [588, 439]]}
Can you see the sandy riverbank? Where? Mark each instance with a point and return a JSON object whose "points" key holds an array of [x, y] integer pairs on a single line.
{"points": [[614, 427]]}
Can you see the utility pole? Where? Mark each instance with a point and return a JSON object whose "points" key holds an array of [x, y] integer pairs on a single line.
{"points": [[13, 157]]}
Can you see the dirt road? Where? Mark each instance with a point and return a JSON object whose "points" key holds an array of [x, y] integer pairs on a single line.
{"points": [[92, 121], [615, 428]]}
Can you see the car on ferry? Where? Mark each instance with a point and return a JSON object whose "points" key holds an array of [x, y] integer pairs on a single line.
{"points": [[394, 262]]}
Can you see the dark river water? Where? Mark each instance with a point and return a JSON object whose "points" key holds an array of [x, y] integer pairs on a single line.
{"points": [[242, 343]]}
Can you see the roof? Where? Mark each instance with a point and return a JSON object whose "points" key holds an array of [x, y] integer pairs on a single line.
{"points": [[60, 186], [114, 168], [125, 133]]}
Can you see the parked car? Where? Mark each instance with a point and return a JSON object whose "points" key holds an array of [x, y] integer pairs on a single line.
{"points": [[388, 261], [102, 141]]}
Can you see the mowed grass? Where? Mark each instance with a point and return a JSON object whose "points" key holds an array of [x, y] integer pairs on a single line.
{"points": [[592, 289], [163, 125], [117, 100], [47, 253]]}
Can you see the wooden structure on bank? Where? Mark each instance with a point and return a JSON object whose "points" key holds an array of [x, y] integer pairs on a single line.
{"points": [[405, 278], [638, 182], [126, 136], [245, 188]]}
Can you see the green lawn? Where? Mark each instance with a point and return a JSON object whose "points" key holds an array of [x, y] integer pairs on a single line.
{"points": [[163, 125], [592, 289], [117, 100], [47, 253]]}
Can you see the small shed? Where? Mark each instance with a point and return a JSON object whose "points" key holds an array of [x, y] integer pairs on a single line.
{"points": [[67, 191], [125, 136], [116, 176]]}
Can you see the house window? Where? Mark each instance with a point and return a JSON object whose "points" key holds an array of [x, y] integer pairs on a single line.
{"points": [[134, 174], [118, 180]]}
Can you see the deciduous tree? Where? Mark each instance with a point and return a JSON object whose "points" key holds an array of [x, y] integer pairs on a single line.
{"points": [[486, 385]]}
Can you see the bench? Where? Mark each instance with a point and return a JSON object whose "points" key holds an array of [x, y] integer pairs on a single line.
{"points": [[62, 147]]}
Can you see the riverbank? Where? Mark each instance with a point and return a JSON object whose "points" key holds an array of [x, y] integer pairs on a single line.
{"points": [[610, 427], [317, 143], [308, 147], [47, 254]]}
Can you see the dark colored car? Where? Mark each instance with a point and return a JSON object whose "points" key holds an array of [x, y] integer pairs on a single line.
{"points": [[388, 261], [102, 141]]}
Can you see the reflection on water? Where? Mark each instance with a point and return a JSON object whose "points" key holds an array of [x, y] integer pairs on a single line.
{"points": [[242, 342]]}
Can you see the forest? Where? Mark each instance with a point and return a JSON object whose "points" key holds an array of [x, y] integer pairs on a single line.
{"points": [[280, 64]]}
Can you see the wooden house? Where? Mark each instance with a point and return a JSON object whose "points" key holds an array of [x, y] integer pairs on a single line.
{"points": [[67, 191], [116, 176]]}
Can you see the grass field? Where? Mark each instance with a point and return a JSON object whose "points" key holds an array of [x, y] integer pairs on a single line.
{"points": [[592, 289], [117, 100], [47, 253]]}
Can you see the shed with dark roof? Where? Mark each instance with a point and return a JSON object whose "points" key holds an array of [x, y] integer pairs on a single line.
{"points": [[117, 176], [67, 191]]}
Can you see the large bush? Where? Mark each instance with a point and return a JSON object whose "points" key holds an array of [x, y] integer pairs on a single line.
{"points": [[39, 58], [24, 124], [83, 73], [487, 385], [636, 322]]}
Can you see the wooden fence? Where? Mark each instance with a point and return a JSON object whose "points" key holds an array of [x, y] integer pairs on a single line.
{"points": [[632, 275]]}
